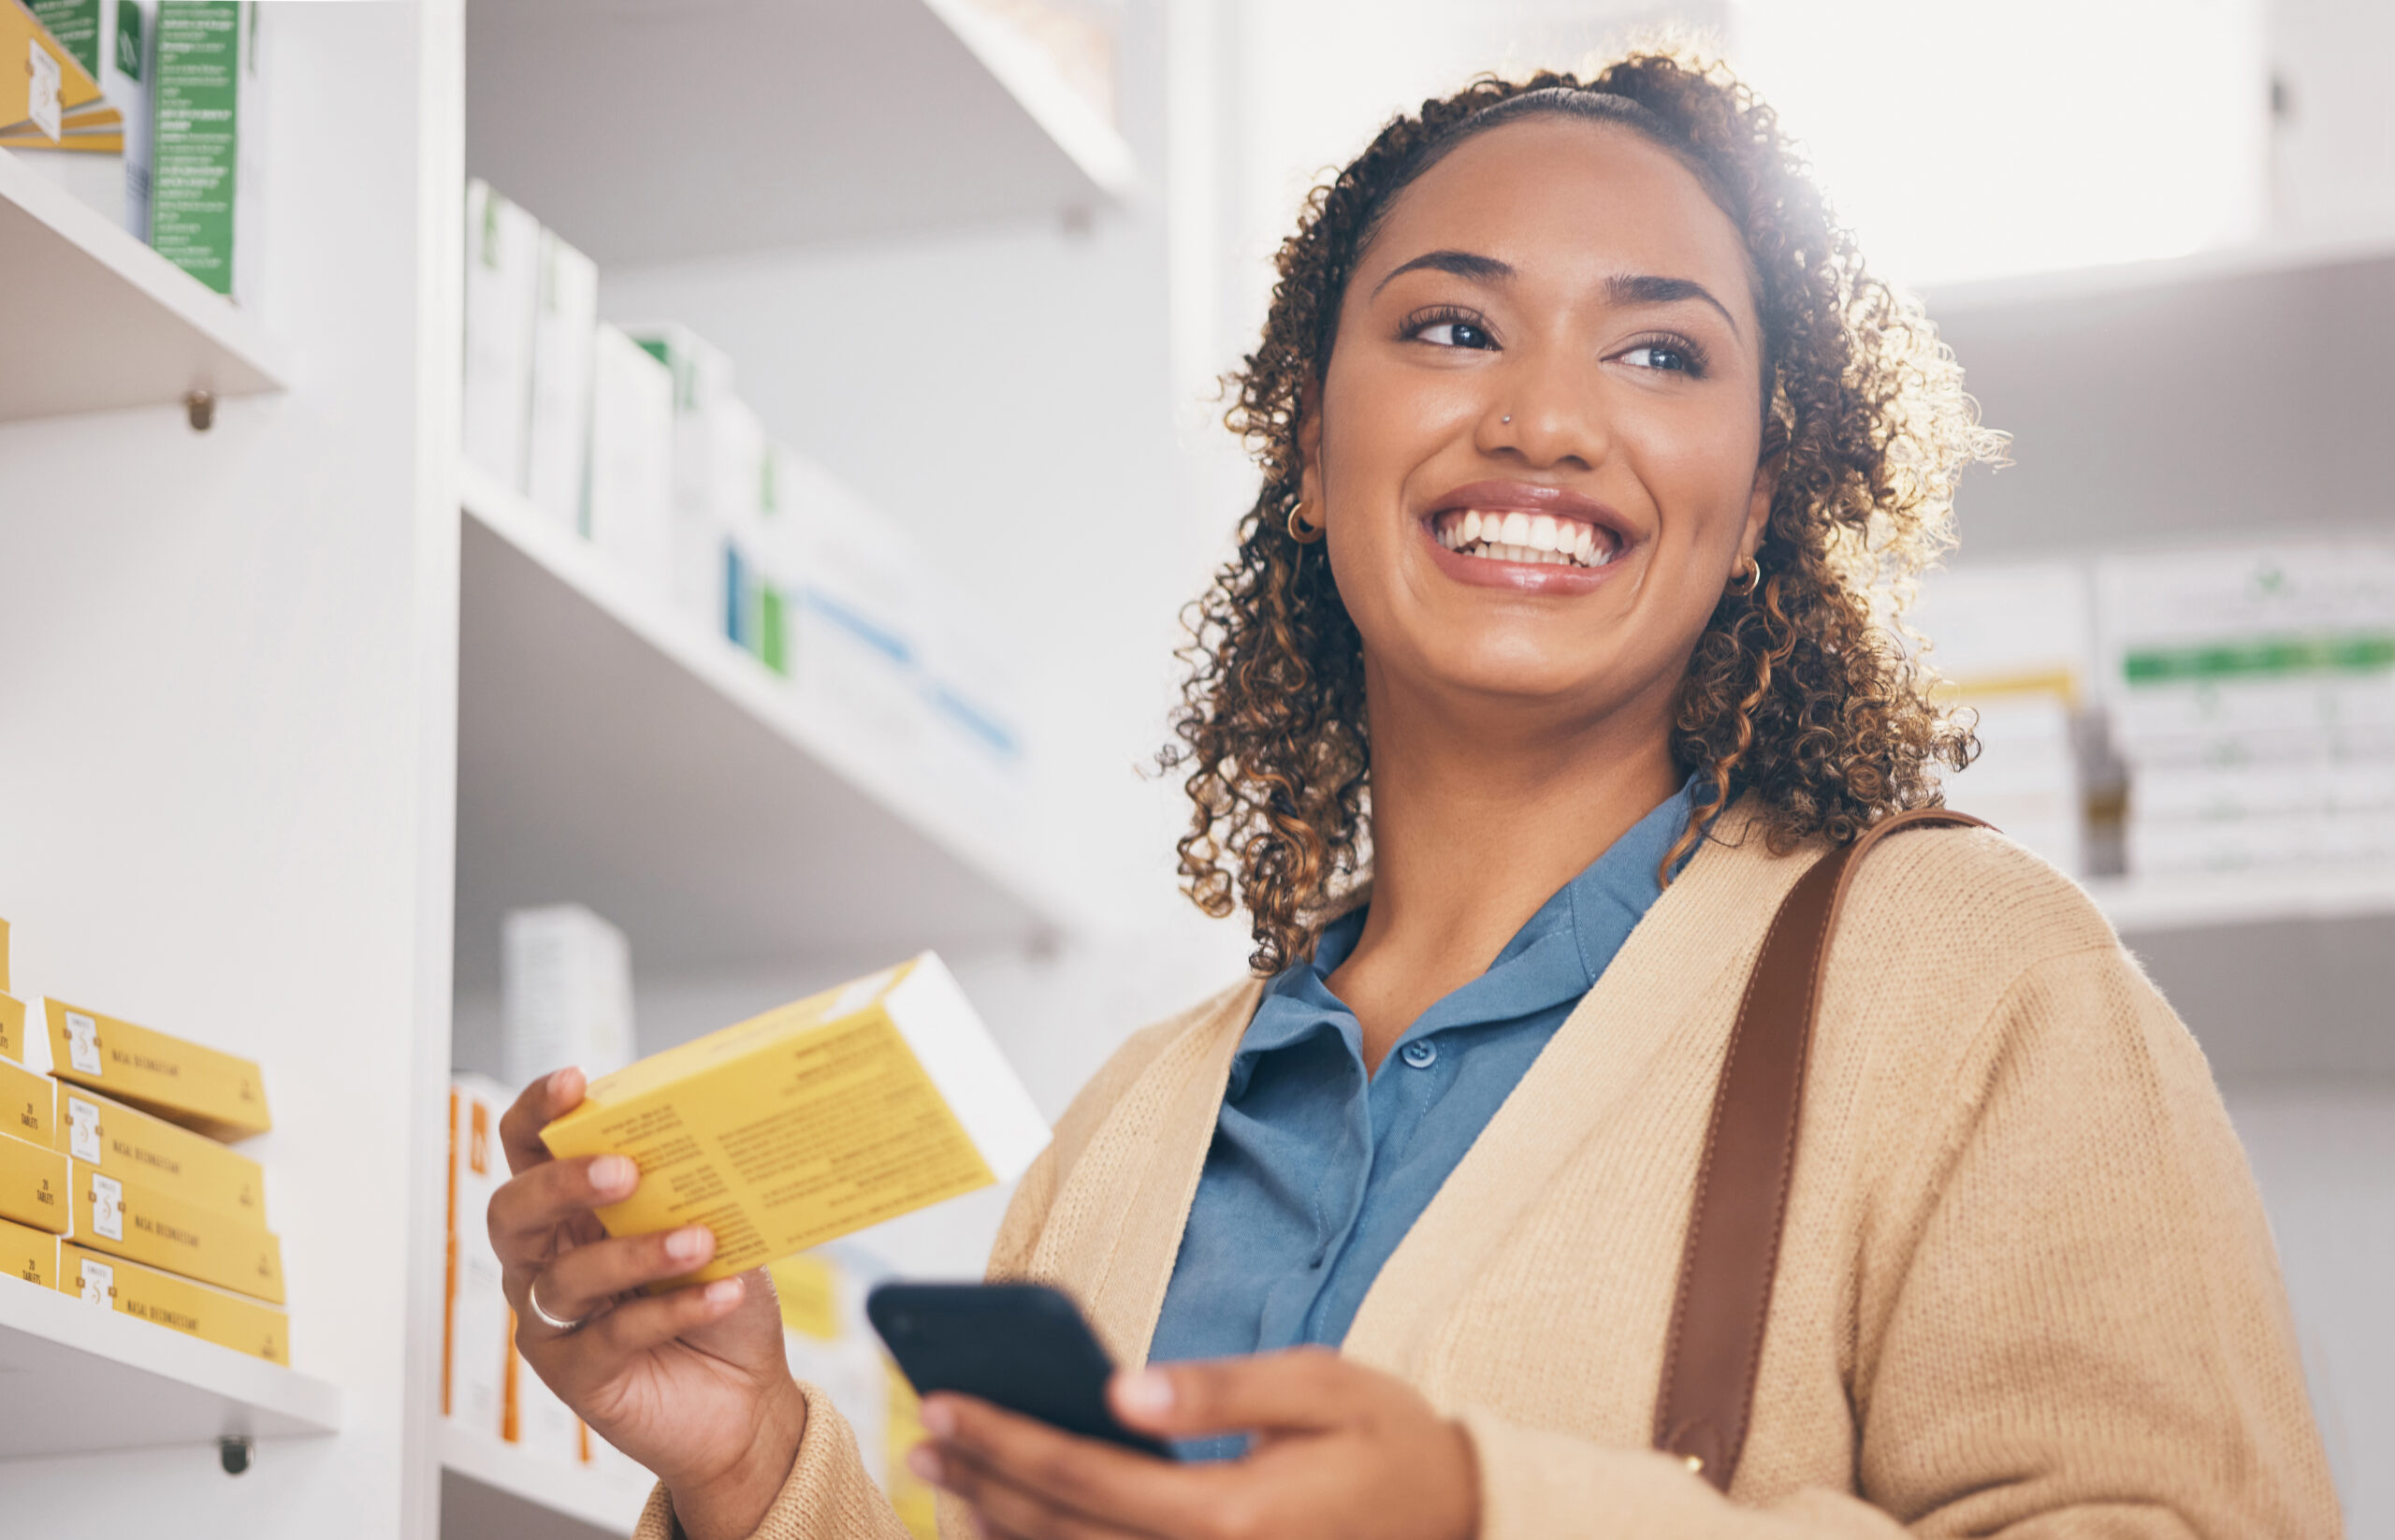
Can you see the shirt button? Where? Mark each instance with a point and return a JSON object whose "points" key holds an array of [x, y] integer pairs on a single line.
{"points": [[1421, 1054]]}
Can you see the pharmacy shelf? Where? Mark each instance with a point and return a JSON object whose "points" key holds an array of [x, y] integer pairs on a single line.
{"points": [[490, 1489], [649, 131], [614, 752], [81, 1379], [2290, 256], [2213, 900], [96, 320]]}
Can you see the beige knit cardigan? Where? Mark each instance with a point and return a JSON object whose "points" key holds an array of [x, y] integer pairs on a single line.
{"points": [[2026, 1287]]}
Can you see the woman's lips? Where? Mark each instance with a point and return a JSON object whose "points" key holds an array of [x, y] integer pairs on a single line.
{"points": [[1525, 537], [1559, 578]]}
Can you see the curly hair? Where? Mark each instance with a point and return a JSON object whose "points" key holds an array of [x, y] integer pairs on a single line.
{"points": [[1802, 693]]}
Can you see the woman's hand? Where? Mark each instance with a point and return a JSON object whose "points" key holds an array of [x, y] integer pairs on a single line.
{"points": [[691, 1384], [1339, 1450]]}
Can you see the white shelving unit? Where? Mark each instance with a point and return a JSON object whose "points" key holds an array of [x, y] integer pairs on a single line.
{"points": [[818, 119], [74, 276], [489, 1488], [2226, 900], [109, 1382], [612, 748]]}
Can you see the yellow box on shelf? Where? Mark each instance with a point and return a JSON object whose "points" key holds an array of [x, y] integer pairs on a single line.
{"points": [[32, 1185], [28, 1254], [49, 83], [221, 1095], [126, 1142], [180, 1304], [27, 1104], [12, 1028], [129, 1219], [847, 1108]]}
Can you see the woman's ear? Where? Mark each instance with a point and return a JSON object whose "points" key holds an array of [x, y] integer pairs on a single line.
{"points": [[1759, 504], [1309, 445]]}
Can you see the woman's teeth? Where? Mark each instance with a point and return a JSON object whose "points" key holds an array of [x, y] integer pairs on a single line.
{"points": [[1516, 536]]}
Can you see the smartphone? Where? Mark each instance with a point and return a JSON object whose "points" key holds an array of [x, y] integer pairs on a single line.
{"points": [[1022, 1346]]}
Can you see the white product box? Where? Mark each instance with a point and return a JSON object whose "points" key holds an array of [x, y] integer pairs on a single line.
{"points": [[858, 646], [709, 430], [629, 509], [2244, 655], [503, 296], [536, 1421], [2326, 789], [565, 321], [2026, 779], [211, 123], [1998, 630], [103, 158], [475, 1338], [569, 994]]}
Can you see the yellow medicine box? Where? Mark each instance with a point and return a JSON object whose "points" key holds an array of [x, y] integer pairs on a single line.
{"points": [[12, 1028], [32, 1185], [848, 1108], [124, 1140], [218, 1093], [127, 1218], [180, 1304], [27, 1103], [29, 1254]]}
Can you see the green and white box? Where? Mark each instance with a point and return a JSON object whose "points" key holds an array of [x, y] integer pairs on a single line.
{"points": [[565, 321], [629, 509], [103, 158], [503, 297], [209, 109], [707, 418]]}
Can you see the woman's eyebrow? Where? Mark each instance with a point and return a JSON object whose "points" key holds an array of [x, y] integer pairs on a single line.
{"points": [[1651, 289], [1461, 264]]}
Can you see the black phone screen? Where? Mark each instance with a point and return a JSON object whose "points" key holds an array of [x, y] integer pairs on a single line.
{"points": [[1022, 1346]]}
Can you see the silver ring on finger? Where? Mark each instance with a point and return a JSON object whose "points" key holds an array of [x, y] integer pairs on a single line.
{"points": [[532, 1297]]}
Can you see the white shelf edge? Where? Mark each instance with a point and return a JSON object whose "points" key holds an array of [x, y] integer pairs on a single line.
{"points": [[197, 306], [718, 664], [2269, 254], [600, 1500], [278, 1401], [1079, 129], [2210, 900]]}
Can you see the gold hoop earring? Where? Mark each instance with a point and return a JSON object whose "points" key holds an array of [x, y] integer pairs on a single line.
{"points": [[1299, 530], [1745, 582]]}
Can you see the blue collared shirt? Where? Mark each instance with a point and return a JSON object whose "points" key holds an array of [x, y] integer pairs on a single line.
{"points": [[1318, 1170]]}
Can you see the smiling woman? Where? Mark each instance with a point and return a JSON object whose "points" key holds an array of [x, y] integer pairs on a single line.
{"points": [[1540, 723]]}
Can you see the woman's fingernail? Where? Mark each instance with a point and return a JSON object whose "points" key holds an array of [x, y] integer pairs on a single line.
{"points": [[687, 1245], [923, 1462], [614, 1173], [938, 1418], [723, 1291], [557, 1079], [1148, 1391]]}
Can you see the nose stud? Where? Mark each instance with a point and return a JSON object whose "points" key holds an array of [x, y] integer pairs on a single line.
{"points": [[1509, 416]]}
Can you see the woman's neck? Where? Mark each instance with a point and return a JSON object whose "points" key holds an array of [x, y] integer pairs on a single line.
{"points": [[1477, 818]]}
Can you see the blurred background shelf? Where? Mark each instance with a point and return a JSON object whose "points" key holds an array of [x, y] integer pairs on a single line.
{"points": [[612, 750], [95, 319], [489, 1490], [81, 1379], [612, 120], [2214, 900]]}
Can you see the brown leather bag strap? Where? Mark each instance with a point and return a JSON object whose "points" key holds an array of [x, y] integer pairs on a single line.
{"points": [[1733, 1248]]}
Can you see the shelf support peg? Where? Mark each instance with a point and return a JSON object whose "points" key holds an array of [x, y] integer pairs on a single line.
{"points": [[201, 406]]}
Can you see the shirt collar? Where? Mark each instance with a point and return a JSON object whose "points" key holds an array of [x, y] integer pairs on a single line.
{"points": [[1557, 955]]}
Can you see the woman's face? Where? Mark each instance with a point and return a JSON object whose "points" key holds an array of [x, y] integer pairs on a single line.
{"points": [[1536, 444]]}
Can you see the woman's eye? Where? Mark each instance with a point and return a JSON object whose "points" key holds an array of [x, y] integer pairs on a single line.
{"points": [[1659, 356], [1453, 334]]}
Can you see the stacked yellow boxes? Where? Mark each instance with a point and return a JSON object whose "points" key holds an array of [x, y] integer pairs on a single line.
{"points": [[115, 1185], [33, 1206]]}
